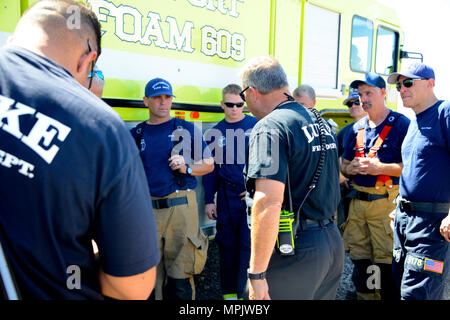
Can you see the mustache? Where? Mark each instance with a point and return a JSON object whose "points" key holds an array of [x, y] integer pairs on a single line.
{"points": [[367, 105]]}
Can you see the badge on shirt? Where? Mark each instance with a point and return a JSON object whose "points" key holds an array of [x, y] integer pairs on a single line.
{"points": [[434, 266]]}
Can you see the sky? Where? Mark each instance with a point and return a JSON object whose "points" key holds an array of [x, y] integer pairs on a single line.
{"points": [[426, 24]]}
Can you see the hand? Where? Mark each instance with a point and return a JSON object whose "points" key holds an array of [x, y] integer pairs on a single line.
{"points": [[243, 195], [369, 166], [258, 290], [344, 182], [211, 211], [353, 168], [445, 228], [176, 162], [392, 217]]}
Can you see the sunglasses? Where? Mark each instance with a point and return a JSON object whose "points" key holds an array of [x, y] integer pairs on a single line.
{"points": [[98, 73], [351, 103], [232, 104], [92, 70], [407, 83], [241, 94]]}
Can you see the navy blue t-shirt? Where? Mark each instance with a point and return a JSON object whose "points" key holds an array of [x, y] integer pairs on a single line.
{"points": [[426, 156], [288, 136], [157, 145], [228, 142], [342, 137], [70, 173], [390, 150]]}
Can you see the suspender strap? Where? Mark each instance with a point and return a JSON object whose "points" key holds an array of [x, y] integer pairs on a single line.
{"points": [[360, 144], [381, 179], [373, 151]]}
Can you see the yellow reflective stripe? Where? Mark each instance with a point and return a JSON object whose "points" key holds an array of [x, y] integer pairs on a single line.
{"points": [[230, 296]]}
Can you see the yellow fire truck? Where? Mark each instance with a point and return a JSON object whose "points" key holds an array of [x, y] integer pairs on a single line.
{"points": [[200, 46]]}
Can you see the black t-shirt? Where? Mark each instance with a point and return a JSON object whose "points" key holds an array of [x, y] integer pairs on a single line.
{"points": [[289, 136], [70, 172]]}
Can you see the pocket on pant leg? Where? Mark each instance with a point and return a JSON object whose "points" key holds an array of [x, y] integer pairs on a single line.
{"points": [[198, 247], [384, 254]]}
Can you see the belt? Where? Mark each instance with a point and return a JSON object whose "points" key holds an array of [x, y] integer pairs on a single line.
{"points": [[170, 202], [355, 194], [410, 206], [310, 223]]}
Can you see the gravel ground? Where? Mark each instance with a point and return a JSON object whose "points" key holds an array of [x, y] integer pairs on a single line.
{"points": [[208, 282]]}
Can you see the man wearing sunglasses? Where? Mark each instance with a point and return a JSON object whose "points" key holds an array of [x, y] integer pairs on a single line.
{"points": [[70, 172], [284, 155], [356, 112], [372, 160], [227, 181], [421, 256]]}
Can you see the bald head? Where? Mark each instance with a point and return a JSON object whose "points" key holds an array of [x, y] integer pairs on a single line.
{"points": [[62, 30]]}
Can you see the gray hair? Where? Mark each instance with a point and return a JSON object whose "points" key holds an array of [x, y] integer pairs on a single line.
{"points": [[305, 90], [265, 74]]}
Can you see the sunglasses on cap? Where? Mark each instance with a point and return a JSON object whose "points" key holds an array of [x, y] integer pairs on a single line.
{"points": [[241, 94], [232, 104], [407, 83], [351, 103], [98, 73]]}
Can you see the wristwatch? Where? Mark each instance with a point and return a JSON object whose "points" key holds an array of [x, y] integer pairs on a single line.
{"points": [[188, 169], [256, 276]]}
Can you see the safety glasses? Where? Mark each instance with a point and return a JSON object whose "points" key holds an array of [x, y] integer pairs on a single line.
{"points": [[407, 83], [92, 70], [351, 103], [232, 104], [241, 94], [98, 73]]}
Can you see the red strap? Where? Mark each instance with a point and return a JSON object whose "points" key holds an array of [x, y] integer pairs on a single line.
{"points": [[373, 151], [360, 144], [382, 179]]}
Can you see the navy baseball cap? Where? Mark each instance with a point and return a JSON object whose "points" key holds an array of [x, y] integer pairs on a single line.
{"points": [[372, 79], [352, 96], [414, 71], [158, 87]]}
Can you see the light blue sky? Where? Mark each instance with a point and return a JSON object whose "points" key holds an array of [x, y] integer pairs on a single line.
{"points": [[426, 24]]}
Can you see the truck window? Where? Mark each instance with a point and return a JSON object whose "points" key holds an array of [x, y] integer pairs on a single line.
{"points": [[386, 51], [362, 43], [320, 47]]}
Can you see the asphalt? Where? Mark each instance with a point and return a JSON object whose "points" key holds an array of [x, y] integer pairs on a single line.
{"points": [[208, 282]]}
